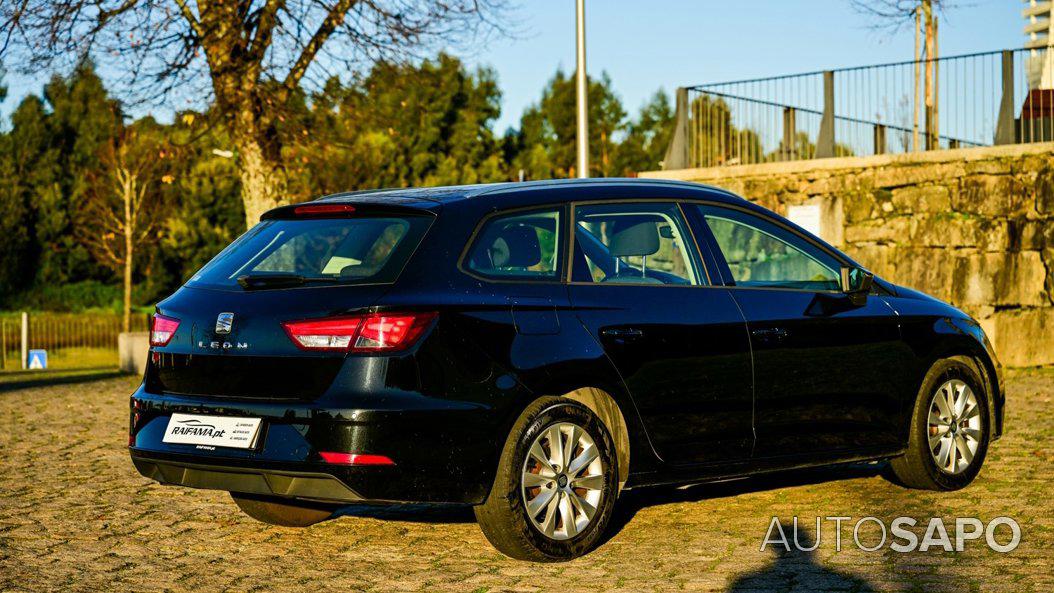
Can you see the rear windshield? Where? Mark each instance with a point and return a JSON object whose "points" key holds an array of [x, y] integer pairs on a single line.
{"points": [[361, 250]]}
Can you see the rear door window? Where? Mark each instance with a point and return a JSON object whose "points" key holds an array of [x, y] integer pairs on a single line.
{"points": [[359, 250], [518, 246], [634, 244]]}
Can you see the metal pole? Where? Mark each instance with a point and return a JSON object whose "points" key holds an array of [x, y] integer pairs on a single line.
{"points": [[918, 63], [936, 89], [25, 340], [582, 85]]}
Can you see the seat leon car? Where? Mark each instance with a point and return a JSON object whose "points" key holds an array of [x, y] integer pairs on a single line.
{"points": [[534, 349]]}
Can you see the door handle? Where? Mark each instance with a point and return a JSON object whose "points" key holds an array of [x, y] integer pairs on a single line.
{"points": [[622, 333], [771, 334]]}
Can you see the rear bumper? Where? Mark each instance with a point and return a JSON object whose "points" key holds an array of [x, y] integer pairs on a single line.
{"points": [[444, 451], [305, 485]]}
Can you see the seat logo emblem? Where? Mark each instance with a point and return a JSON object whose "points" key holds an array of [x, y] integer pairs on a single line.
{"points": [[224, 321]]}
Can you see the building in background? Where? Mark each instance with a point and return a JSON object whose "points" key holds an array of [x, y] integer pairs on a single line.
{"points": [[1038, 30]]}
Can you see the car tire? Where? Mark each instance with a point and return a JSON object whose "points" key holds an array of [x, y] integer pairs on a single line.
{"points": [[571, 487], [282, 511], [936, 452]]}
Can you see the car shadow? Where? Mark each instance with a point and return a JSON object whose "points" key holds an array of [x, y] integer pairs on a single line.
{"points": [[411, 512], [795, 568], [15, 380], [632, 501]]}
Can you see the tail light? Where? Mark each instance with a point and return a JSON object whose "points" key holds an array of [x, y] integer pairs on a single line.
{"points": [[162, 329], [375, 332], [355, 459]]}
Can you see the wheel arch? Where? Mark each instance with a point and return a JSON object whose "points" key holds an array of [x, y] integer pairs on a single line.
{"points": [[984, 368], [607, 409], [974, 352]]}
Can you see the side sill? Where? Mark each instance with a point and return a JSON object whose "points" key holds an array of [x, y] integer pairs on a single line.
{"points": [[711, 473]]}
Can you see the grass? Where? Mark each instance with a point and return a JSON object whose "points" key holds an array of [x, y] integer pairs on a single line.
{"points": [[66, 365], [69, 358]]}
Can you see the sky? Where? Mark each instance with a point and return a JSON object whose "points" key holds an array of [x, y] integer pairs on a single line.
{"points": [[647, 45]]}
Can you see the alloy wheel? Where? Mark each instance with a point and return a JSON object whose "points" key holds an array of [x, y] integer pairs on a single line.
{"points": [[562, 481], [954, 426]]}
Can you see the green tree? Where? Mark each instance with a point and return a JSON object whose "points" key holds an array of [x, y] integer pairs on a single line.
{"points": [[46, 159], [81, 121], [718, 141], [252, 56], [203, 198], [647, 137], [545, 145], [402, 125], [14, 218]]}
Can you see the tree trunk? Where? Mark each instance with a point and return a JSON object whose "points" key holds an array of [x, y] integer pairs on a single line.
{"points": [[126, 322], [263, 181], [259, 163], [129, 247]]}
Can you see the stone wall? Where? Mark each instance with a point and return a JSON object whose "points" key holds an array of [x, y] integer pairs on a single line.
{"points": [[974, 227]]}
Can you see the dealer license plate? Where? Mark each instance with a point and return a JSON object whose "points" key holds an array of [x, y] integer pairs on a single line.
{"points": [[215, 431]]}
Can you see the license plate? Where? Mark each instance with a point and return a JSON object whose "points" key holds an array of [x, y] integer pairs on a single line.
{"points": [[214, 431]]}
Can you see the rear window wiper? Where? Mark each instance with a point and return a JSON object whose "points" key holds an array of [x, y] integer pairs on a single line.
{"points": [[262, 281]]}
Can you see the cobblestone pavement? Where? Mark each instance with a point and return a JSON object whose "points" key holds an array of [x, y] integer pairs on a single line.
{"points": [[75, 516]]}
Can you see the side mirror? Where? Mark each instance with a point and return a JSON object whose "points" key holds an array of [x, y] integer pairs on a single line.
{"points": [[856, 284]]}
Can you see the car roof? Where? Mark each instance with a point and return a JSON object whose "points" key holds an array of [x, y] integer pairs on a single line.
{"points": [[426, 197]]}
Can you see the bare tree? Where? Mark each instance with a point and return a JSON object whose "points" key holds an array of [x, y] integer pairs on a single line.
{"points": [[253, 54], [118, 215], [893, 15]]}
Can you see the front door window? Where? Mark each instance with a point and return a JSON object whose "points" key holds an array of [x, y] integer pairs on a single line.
{"points": [[761, 254]]}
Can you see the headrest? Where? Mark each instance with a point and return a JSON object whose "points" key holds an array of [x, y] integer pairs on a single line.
{"points": [[634, 236], [516, 246]]}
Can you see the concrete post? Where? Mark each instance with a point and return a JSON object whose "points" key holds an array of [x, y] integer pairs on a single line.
{"points": [[825, 142], [790, 130], [133, 348], [677, 152], [1004, 128]]}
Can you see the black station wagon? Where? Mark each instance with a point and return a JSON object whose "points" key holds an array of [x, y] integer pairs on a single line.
{"points": [[533, 349]]}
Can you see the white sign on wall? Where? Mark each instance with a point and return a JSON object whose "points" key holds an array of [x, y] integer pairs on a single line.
{"points": [[807, 216]]}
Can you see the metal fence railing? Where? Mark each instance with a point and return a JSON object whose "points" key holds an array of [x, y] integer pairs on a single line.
{"points": [[72, 340], [979, 99]]}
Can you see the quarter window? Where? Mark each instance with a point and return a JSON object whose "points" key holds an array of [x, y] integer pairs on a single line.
{"points": [[762, 254], [522, 246], [633, 244]]}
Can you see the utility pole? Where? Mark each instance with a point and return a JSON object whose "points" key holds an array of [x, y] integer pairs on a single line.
{"points": [[918, 64], [582, 86], [929, 97]]}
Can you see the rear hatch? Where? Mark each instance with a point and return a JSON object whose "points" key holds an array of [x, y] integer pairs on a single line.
{"points": [[300, 263]]}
